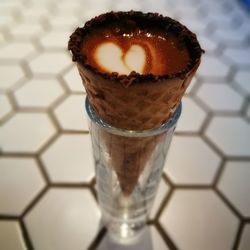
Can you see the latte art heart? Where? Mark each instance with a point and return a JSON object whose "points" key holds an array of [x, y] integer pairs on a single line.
{"points": [[143, 52], [111, 58]]}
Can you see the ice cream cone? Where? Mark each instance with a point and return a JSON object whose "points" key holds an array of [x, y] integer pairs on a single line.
{"points": [[134, 102]]}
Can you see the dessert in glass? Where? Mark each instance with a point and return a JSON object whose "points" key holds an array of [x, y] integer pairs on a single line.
{"points": [[135, 68]]}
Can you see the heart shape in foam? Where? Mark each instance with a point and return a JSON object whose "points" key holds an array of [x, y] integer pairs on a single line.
{"points": [[111, 58]]}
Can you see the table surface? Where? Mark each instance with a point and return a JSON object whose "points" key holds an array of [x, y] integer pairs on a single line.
{"points": [[47, 195]]}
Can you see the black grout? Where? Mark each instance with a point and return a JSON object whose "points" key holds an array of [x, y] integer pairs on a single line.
{"points": [[219, 173], [163, 205], [170, 243], [229, 205], [101, 234], [42, 170], [238, 236], [212, 146], [34, 201], [69, 185], [8, 217], [25, 235]]}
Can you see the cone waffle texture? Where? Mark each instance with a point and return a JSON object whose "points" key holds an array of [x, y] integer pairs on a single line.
{"points": [[140, 106]]}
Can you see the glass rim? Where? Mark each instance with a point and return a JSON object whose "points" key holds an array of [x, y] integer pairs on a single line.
{"points": [[133, 133]]}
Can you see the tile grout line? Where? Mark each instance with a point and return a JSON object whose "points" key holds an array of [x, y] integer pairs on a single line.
{"points": [[98, 239], [169, 242], [238, 235], [25, 235]]}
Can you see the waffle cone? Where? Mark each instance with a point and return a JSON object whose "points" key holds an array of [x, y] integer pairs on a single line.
{"points": [[138, 107], [134, 102]]}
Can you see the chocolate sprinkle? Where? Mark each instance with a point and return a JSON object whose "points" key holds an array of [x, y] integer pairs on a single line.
{"points": [[141, 20]]}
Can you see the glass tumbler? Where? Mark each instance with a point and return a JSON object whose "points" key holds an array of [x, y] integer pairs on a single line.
{"points": [[128, 167]]}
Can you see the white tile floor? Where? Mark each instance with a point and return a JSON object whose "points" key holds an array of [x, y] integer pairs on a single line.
{"points": [[46, 170], [11, 236], [198, 219], [26, 132], [230, 135], [191, 161], [34, 93], [73, 80], [192, 117], [211, 94], [242, 79], [20, 181], [8, 80], [68, 112], [5, 106], [69, 159], [49, 63]]}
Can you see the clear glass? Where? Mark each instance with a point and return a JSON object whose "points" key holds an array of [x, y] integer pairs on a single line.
{"points": [[128, 166]]}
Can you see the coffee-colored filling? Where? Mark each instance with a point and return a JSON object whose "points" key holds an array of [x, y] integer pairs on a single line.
{"points": [[143, 51]]}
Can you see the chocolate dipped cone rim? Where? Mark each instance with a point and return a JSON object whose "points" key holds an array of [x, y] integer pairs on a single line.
{"points": [[142, 20]]}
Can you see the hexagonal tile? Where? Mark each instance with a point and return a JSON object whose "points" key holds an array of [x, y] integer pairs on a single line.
{"points": [[162, 192], [73, 80], [212, 67], [11, 236], [34, 13], [50, 63], [192, 24], [21, 180], [242, 79], [157, 240], [69, 159], [26, 30], [62, 22], [55, 39], [10, 74], [5, 106], [63, 219], [192, 217], [245, 238], [192, 116], [218, 15], [26, 132], [39, 93], [191, 161], [76, 120], [220, 97], [206, 43], [238, 55], [16, 51], [234, 184], [230, 134], [230, 35], [149, 240], [68, 8]]}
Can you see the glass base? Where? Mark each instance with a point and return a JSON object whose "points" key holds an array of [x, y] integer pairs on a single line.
{"points": [[126, 217], [124, 233]]}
